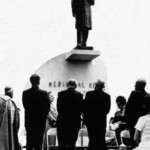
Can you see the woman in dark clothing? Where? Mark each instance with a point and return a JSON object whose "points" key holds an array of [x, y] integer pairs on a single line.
{"points": [[118, 122]]}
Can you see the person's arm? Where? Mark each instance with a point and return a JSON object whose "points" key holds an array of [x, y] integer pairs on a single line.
{"points": [[139, 129], [73, 7], [59, 104], [108, 105], [137, 136]]}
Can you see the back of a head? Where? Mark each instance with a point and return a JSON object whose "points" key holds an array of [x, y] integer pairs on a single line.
{"points": [[8, 91], [99, 85], [72, 83], [35, 79], [140, 84], [147, 103], [121, 100]]}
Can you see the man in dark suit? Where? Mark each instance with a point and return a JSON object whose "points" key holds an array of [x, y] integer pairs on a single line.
{"points": [[135, 105], [69, 107], [37, 105], [96, 107]]}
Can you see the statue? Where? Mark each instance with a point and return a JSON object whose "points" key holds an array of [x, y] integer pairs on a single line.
{"points": [[81, 10]]}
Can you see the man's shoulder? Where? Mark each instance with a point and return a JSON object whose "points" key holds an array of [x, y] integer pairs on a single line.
{"points": [[137, 93], [106, 94], [42, 91], [62, 92], [27, 90], [68, 91], [102, 93], [38, 90], [78, 93], [4, 97], [90, 92]]}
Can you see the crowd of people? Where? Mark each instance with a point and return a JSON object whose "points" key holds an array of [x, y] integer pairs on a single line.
{"points": [[40, 115]]}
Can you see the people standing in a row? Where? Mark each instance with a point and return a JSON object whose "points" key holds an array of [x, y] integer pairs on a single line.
{"points": [[96, 107], [69, 107], [9, 122], [135, 106], [37, 105]]}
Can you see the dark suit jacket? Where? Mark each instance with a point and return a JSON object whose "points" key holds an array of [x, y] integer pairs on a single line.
{"points": [[37, 105], [134, 107], [69, 107], [78, 6], [96, 107]]}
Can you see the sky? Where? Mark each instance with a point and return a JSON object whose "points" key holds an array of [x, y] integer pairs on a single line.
{"points": [[34, 31]]}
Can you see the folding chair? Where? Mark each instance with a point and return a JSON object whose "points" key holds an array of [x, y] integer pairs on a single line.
{"points": [[111, 134], [83, 137], [52, 138], [23, 138], [124, 134]]}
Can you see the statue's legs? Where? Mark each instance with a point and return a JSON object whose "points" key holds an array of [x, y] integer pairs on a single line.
{"points": [[82, 36], [85, 33], [79, 37]]}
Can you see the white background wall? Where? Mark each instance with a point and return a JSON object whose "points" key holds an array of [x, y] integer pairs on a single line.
{"points": [[34, 31]]}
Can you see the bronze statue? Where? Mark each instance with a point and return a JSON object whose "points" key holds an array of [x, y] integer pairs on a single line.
{"points": [[81, 10]]}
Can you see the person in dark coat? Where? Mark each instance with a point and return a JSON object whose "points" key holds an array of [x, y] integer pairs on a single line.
{"points": [[69, 107], [96, 107], [118, 122], [135, 106], [37, 105], [81, 10]]}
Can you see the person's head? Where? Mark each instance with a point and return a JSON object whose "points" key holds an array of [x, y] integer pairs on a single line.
{"points": [[8, 91], [51, 97], [99, 85], [140, 84], [147, 103], [72, 83], [121, 102], [35, 80]]}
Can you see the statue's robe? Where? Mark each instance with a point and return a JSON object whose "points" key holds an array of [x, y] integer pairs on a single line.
{"points": [[9, 124], [81, 10]]}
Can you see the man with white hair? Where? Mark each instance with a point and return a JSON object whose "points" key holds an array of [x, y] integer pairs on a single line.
{"points": [[96, 107], [9, 122], [69, 107]]}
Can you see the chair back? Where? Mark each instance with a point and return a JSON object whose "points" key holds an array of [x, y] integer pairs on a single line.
{"points": [[52, 138], [110, 134], [83, 139], [124, 134]]}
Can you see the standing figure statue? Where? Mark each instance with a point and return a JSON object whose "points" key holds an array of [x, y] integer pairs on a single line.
{"points": [[81, 10]]}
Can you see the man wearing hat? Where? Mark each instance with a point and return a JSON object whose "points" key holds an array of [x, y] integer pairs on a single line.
{"points": [[37, 105], [9, 121]]}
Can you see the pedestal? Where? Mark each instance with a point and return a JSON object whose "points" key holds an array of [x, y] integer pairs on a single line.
{"points": [[82, 55]]}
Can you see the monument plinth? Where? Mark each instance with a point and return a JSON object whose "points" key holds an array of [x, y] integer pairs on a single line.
{"points": [[82, 55]]}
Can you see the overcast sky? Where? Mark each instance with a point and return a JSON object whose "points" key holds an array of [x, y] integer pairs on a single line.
{"points": [[34, 31]]}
